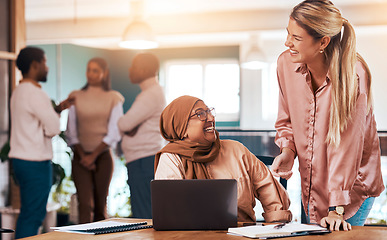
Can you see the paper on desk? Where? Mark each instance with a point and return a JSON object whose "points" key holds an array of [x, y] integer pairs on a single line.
{"points": [[257, 231], [77, 228]]}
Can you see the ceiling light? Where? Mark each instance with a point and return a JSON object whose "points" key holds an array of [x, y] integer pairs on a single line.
{"points": [[138, 34], [255, 57]]}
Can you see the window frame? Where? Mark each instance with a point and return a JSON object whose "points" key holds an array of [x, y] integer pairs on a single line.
{"points": [[164, 75]]}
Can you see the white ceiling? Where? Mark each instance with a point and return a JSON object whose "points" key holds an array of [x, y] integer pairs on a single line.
{"points": [[177, 23]]}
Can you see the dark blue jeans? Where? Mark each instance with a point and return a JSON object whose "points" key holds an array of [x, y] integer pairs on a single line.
{"points": [[140, 174], [35, 180]]}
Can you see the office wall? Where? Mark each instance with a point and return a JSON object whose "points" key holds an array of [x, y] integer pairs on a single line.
{"points": [[373, 48], [121, 60], [67, 66], [252, 82]]}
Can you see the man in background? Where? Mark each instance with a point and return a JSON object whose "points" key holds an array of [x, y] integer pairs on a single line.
{"points": [[33, 123], [142, 138]]}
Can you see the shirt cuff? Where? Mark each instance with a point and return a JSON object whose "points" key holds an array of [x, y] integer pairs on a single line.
{"points": [[339, 198], [278, 216], [111, 142], [285, 143], [71, 142]]}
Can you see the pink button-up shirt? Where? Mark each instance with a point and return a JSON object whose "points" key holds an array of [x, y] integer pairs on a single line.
{"points": [[330, 176]]}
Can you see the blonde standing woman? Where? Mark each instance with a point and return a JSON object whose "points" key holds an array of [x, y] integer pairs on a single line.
{"points": [[325, 118]]}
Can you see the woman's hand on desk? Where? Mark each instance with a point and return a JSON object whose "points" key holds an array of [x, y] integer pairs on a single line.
{"points": [[335, 221], [283, 164]]}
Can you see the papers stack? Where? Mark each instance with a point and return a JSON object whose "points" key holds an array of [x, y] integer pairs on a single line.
{"points": [[271, 231]]}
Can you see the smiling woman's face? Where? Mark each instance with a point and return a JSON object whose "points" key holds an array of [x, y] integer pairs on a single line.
{"points": [[200, 131], [303, 47]]}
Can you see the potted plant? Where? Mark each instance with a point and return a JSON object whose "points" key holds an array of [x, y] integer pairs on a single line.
{"points": [[62, 195]]}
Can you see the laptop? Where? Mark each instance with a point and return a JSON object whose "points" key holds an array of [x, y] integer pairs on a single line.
{"points": [[209, 204]]}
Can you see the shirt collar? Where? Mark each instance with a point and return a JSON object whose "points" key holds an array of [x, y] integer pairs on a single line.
{"points": [[148, 83], [303, 69], [28, 80]]}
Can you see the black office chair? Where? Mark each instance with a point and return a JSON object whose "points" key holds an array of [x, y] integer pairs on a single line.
{"points": [[268, 160]]}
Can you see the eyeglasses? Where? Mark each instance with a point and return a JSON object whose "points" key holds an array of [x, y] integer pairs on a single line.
{"points": [[203, 114]]}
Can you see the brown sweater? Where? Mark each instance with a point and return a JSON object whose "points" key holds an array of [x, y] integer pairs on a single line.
{"points": [[93, 107]]}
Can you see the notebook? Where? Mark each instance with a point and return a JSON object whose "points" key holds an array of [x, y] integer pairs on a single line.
{"points": [[209, 204], [103, 227]]}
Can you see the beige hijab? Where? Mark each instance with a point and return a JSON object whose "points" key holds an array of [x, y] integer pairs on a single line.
{"points": [[173, 125]]}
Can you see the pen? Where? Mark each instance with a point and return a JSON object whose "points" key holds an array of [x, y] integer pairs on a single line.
{"points": [[251, 224], [278, 226], [4, 230]]}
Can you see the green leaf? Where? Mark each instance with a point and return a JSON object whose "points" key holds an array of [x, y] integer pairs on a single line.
{"points": [[4, 152], [58, 174]]}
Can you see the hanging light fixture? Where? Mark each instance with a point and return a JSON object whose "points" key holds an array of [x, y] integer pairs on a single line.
{"points": [[138, 34], [255, 57]]}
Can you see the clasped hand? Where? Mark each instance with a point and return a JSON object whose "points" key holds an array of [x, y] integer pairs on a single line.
{"points": [[88, 161], [335, 221]]}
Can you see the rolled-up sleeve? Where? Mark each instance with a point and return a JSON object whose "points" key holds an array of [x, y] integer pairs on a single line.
{"points": [[272, 195], [113, 135], [71, 130]]}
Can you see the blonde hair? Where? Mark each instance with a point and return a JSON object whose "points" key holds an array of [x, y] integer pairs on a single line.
{"points": [[321, 18]]}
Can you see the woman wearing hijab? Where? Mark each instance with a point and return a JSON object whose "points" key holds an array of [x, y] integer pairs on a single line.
{"points": [[195, 151]]}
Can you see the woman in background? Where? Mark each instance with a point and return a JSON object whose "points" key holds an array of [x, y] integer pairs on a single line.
{"points": [[194, 151], [325, 118], [91, 132]]}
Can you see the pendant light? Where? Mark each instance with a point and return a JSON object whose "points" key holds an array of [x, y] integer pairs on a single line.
{"points": [[255, 58], [138, 34]]}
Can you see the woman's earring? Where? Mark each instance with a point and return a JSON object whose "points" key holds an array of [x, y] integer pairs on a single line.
{"points": [[322, 50]]}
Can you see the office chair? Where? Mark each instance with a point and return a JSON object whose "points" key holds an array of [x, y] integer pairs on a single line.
{"points": [[268, 160]]}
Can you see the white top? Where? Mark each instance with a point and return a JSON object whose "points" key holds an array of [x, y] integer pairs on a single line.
{"points": [[145, 112], [33, 123], [113, 135]]}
